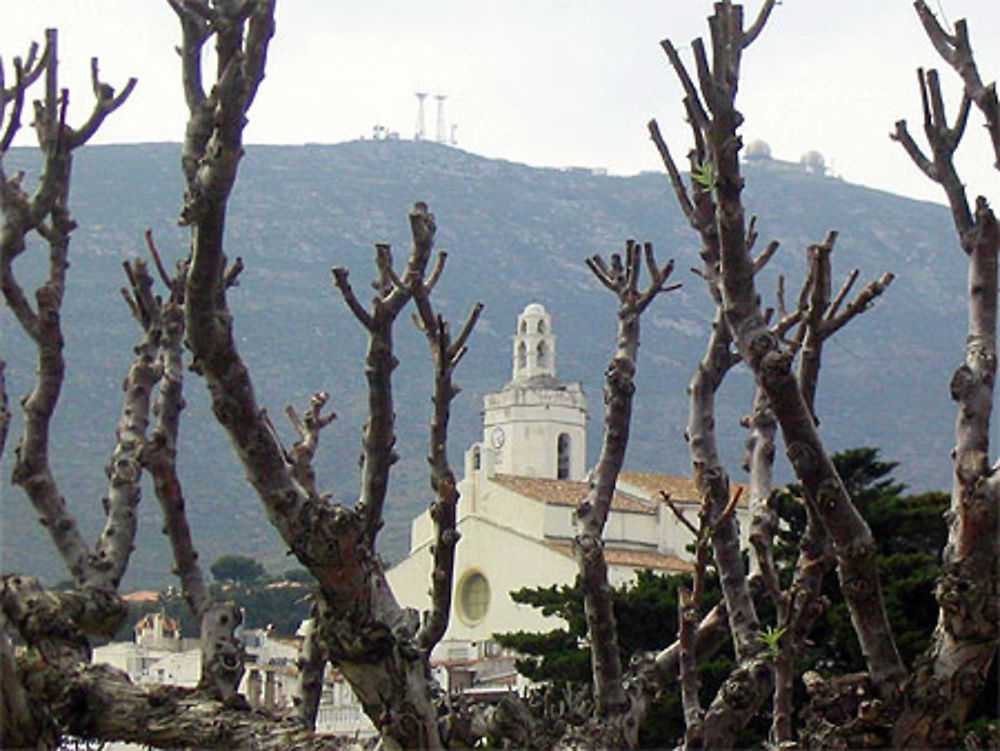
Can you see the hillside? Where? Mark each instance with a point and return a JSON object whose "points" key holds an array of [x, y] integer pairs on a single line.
{"points": [[515, 234]]}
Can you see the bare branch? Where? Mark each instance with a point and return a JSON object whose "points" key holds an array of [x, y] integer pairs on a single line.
{"points": [[956, 50], [675, 176], [4, 408], [687, 615], [692, 99], [759, 463], [17, 92], [106, 103], [113, 549], [679, 514], [26, 72], [260, 29], [596, 264], [925, 165], [768, 253], [845, 290], [445, 354], [308, 428], [592, 511], [816, 295], [432, 278], [943, 141], [712, 482], [222, 653], [758, 25], [689, 606], [859, 305], [340, 275], [378, 452]]}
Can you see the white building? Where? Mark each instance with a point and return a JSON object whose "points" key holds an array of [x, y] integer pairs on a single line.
{"points": [[159, 655], [521, 484]]}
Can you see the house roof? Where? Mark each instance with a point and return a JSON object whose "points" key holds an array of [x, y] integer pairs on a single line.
{"points": [[633, 558], [567, 493], [143, 595], [149, 621], [637, 492], [681, 489]]}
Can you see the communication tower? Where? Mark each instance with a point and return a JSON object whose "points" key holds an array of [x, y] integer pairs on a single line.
{"points": [[421, 132], [442, 136]]}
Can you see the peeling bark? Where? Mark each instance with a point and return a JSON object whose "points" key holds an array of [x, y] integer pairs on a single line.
{"points": [[716, 212], [46, 212], [311, 664], [762, 352], [99, 701], [22, 723], [4, 409], [592, 512], [446, 355], [950, 676], [359, 624]]}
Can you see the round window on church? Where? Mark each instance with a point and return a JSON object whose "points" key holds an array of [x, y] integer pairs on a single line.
{"points": [[473, 598]]}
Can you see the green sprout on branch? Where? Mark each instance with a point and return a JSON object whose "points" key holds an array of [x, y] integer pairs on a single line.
{"points": [[772, 638], [705, 175]]}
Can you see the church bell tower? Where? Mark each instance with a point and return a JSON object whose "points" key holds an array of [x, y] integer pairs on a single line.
{"points": [[536, 425]]}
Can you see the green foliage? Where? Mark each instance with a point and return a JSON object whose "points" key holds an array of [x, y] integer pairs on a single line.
{"points": [[704, 174], [240, 569], [281, 602], [772, 640], [298, 575]]}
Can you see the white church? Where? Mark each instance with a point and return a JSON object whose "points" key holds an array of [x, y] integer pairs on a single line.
{"points": [[521, 484]]}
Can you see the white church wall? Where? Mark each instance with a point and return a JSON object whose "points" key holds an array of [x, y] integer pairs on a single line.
{"points": [[509, 509], [559, 522], [673, 536], [641, 529], [506, 561], [421, 530]]}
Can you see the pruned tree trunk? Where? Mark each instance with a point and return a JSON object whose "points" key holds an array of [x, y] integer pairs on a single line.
{"points": [[771, 364], [947, 681]]}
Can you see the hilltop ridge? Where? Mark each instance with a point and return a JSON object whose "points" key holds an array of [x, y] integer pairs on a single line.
{"points": [[514, 234]]}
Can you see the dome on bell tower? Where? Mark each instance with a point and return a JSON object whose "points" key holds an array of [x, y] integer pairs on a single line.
{"points": [[534, 344]]}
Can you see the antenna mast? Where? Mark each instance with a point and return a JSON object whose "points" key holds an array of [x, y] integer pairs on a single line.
{"points": [[442, 136], [421, 133]]}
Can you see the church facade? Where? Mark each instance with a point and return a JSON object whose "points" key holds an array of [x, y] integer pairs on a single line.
{"points": [[520, 485]]}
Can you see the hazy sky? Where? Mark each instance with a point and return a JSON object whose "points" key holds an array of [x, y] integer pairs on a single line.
{"points": [[545, 82]]}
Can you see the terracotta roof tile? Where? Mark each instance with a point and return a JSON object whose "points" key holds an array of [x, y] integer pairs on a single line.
{"points": [[567, 493], [145, 595], [640, 559], [681, 489]]}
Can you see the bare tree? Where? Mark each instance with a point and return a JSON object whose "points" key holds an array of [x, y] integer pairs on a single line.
{"points": [[382, 648], [949, 679], [889, 705]]}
